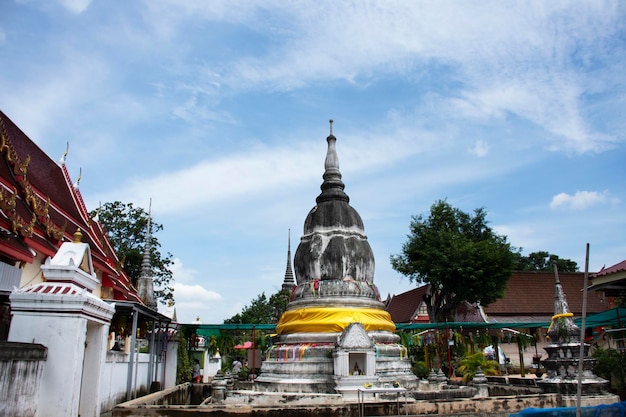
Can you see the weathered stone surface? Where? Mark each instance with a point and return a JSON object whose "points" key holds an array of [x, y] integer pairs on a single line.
{"points": [[564, 353], [21, 368]]}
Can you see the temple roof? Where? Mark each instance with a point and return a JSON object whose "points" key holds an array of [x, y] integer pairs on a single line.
{"points": [[40, 208], [528, 296], [532, 293]]}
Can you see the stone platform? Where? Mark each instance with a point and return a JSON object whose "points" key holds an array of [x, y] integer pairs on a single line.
{"points": [[253, 403]]}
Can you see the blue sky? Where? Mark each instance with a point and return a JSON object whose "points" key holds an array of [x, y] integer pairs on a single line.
{"points": [[218, 111]]}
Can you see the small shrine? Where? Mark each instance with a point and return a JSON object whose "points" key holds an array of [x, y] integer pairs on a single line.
{"points": [[354, 359], [563, 351]]}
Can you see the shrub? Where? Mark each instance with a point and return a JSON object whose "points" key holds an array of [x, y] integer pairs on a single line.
{"points": [[611, 366], [469, 364]]}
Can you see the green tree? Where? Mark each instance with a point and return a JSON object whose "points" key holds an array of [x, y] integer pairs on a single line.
{"points": [[125, 226], [183, 364], [262, 310], [458, 255], [543, 261]]}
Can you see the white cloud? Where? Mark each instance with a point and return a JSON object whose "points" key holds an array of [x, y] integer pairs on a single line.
{"points": [[191, 299], [75, 6], [194, 294], [60, 89], [180, 273], [480, 148], [195, 300], [522, 235], [266, 168], [580, 200]]}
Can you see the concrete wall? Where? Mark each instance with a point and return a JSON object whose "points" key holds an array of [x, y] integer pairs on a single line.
{"points": [[21, 367], [65, 338], [114, 378], [171, 364]]}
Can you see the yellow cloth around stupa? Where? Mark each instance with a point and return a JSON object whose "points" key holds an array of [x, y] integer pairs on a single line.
{"points": [[333, 319]]}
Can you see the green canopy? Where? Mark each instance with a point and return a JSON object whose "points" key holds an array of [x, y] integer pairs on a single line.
{"points": [[613, 317]]}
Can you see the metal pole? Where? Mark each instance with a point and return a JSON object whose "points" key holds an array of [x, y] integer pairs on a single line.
{"points": [[583, 324], [449, 353], [151, 359], [133, 337], [254, 351]]}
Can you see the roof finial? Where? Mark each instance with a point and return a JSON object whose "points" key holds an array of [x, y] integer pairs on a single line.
{"points": [[331, 126], [96, 218], [67, 149], [78, 236], [80, 175]]}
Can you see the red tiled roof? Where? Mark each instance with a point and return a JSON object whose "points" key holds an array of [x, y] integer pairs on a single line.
{"points": [[611, 269], [63, 288], [532, 293], [468, 313], [528, 294], [403, 307]]}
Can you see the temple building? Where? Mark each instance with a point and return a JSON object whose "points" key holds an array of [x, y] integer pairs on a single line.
{"points": [[72, 324], [335, 334]]}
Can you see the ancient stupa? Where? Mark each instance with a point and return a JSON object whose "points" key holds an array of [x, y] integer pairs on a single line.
{"points": [[335, 334], [564, 353]]}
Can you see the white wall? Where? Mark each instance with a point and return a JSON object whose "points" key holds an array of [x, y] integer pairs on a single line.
{"points": [[171, 364], [212, 365], [114, 378], [64, 336], [95, 351]]}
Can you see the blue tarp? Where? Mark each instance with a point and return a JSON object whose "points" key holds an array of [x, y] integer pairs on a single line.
{"points": [[604, 410]]}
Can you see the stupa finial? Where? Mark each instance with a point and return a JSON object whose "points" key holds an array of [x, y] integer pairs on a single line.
{"points": [[332, 187], [562, 328]]}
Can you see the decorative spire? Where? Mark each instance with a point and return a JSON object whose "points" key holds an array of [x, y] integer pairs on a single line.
{"points": [[289, 283], [332, 187], [145, 285], [563, 329]]}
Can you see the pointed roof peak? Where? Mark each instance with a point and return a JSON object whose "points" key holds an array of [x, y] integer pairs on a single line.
{"points": [[332, 187], [289, 282]]}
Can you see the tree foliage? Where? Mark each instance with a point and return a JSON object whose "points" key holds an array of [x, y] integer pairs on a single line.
{"points": [[458, 255], [262, 310], [543, 261], [125, 226]]}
